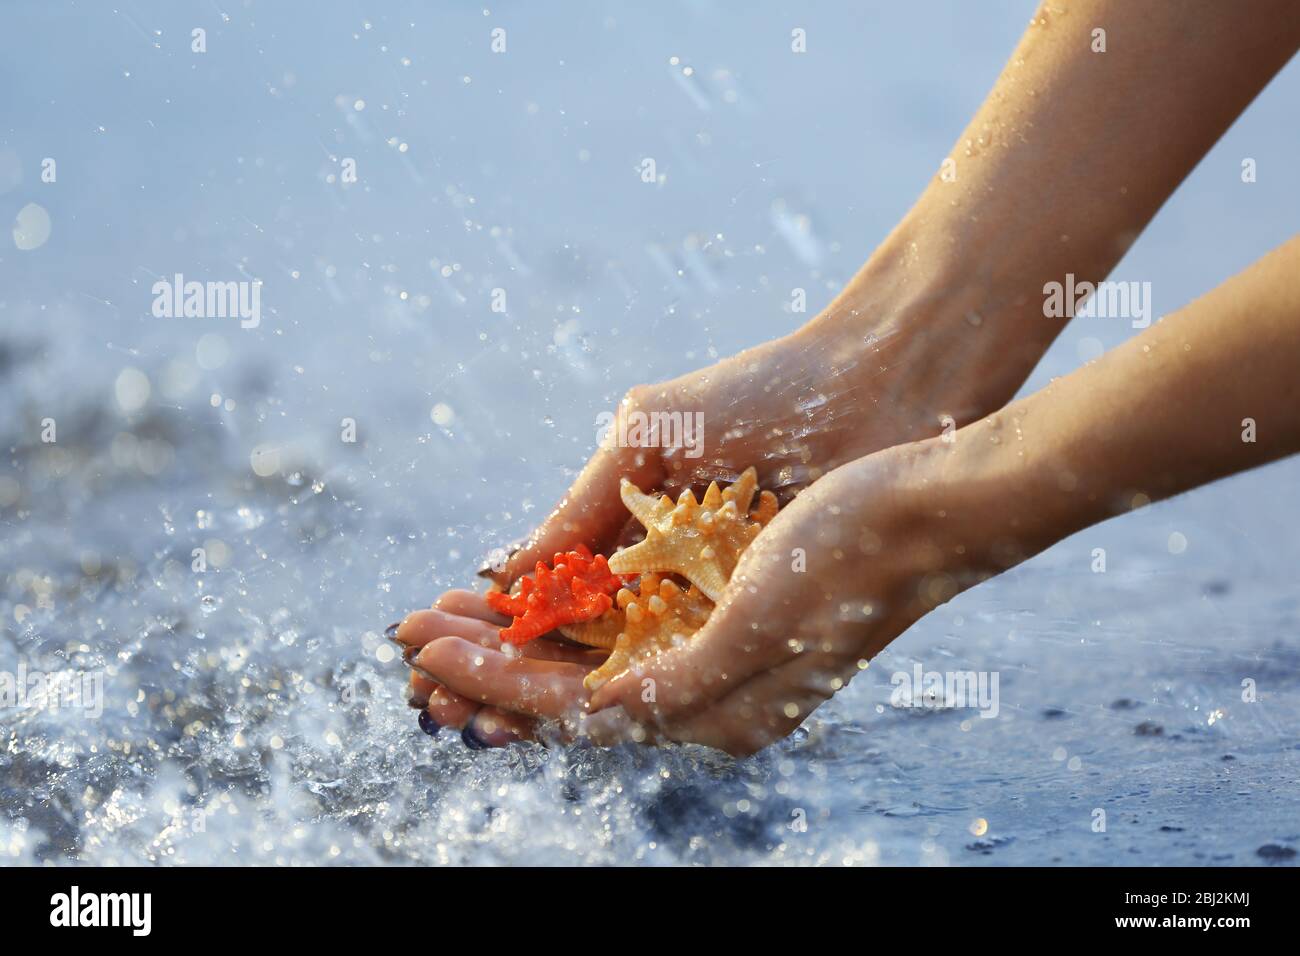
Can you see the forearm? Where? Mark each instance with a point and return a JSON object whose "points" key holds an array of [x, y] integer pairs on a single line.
{"points": [[1207, 392], [1062, 167]]}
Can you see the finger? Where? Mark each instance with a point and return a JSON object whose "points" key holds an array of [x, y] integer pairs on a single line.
{"points": [[420, 690], [470, 604], [438, 706], [420, 627], [446, 708], [493, 727], [673, 685], [443, 707], [729, 649], [547, 650], [457, 612], [521, 685], [592, 512], [683, 680]]}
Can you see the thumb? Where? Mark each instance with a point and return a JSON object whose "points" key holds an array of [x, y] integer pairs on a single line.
{"points": [[674, 684], [740, 639], [684, 680], [591, 513]]}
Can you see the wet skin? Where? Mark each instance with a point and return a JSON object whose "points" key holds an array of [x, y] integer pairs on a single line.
{"points": [[938, 330]]}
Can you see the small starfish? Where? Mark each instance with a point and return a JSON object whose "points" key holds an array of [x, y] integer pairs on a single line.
{"points": [[578, 589], [600, 632], [701, 541], [660, 615]]}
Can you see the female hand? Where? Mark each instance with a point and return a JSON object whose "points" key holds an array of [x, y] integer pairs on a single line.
{"points": [[847, 567], [947, 318], [859, 556], [889, 537], [838, 574], [796, 408], [459, 637]]}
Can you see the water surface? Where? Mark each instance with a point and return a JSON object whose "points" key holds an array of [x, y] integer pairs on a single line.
{"points": [[248, 716]]}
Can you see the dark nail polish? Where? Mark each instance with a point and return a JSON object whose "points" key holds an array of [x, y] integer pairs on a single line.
{"points": [[472, 740], [410, 653], [390, 631], [428, 724], [422, 672], [417, 703]]}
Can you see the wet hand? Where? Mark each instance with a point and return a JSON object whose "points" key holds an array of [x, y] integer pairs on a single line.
{"points": [[794, 408], [463, 677], [847, 567]]}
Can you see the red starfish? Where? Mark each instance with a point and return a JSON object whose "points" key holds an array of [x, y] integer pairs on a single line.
{"points": [[578, 589]]}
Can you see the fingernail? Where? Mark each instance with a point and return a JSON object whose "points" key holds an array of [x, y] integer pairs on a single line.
{"points": [[418, 702], [390, 632], [428, 724], [418, 669], [494, 564], [472, 740], [409, 654]]}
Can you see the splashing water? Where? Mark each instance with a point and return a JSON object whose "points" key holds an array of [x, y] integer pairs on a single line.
{"points": [[208, 562]]}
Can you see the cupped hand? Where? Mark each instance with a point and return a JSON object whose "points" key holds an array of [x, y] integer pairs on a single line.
{"points": [[840, 572], [794, 408], [846, 568], [465, 678], [797, 409]]}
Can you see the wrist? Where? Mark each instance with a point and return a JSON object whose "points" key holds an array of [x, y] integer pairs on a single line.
{"points": [[1015, 483], [930, 325], [937, 511]]}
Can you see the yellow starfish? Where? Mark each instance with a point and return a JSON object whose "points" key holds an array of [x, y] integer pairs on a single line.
{"points": [[701, 541], [603, 631], [656, 618]]}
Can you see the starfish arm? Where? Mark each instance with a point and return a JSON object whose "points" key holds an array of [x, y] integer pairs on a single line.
{"points": [[602, 632], [766, 508], [742, 491], [652, 554], [619, 660], [642, 506]]}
